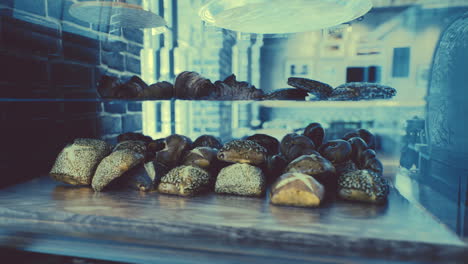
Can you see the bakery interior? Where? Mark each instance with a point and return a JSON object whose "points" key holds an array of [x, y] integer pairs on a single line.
{"points": [[69, 69]]}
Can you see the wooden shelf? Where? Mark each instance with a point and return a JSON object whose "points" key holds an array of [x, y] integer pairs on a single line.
{"points": [[42, 212]]}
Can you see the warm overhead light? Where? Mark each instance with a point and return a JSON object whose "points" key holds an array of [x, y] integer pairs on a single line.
{"points": [[118, 14], [282, 16]]}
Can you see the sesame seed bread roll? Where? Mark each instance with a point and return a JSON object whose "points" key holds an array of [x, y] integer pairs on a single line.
{"points": [[114, 166], [241, 179], [77, 162], [243, 151], [185, 181], [364, 186]]}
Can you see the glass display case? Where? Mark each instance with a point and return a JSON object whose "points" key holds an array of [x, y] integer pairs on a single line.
{"points": [[296, 82]]}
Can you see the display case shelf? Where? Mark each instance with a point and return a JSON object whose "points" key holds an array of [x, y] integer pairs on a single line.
{"points": [[40, 213]]}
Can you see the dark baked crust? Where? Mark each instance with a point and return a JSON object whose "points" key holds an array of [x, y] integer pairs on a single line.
{"points": [[319, 89], [293, 146], [270, 143]]}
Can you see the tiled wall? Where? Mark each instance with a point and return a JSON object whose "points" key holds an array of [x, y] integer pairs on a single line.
{"points": [[45, 54]]}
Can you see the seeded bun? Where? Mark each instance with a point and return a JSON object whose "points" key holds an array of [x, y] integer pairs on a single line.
{"points": [[185, 181], [241, 179], [77, 162], [243, 151], [363, 186]]}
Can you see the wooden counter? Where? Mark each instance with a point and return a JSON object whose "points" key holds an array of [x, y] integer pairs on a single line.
{"points": [[50, 217]]}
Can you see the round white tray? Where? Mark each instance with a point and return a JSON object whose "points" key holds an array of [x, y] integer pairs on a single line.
{"points": [[282, 16]]}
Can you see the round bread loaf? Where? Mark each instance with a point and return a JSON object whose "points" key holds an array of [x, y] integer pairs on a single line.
{"points": [[114, 166], [202, 157], [364, 186], [241, 179], [293, 146], [243, 151], [270, 143], [185, 181], [316, 133], [207, 141], [77, 162], [336, 151], [133, 145], [175, 148], [297, 189], [317, 166]]}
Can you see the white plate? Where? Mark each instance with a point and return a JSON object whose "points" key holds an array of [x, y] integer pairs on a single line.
{"points": [[116, 14], [282, 16]]}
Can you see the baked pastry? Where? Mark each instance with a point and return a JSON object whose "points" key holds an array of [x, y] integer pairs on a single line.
{"points": [[241, 179], [133, 145], [367, 136], [231, 89], [365, 156], [336, 151], [287, 94], [364, 186], [107, 85], [243, 151], [134, 136], [77, 162], [137, 178], [175, 148], [130, 89], [185, 181], [274, 167], [345, 167], [297, 189], [114, 166], [270, 143], [358, 145], [191, 85], [293, 146], [314, 165], [207, 141], [316, 133], [362, 91], [159, 91], [319, 89], [202, 157], [373, 164]]}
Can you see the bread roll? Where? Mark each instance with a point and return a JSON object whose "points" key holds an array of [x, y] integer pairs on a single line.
{"points": [[77, 162], [336, 151], [293, 146], [270, 143], [114, 166], [243, 151], [185, 181], [208, 141], [316, 133], [317, 166], [297, 189], [201, 157], [364, 186], [241, 179], [175, 147]]}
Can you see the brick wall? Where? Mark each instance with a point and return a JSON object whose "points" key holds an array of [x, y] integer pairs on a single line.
{"points": [[50, 64]]}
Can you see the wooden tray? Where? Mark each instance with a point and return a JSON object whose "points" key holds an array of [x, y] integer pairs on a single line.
{"points": [[50, 217]]}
